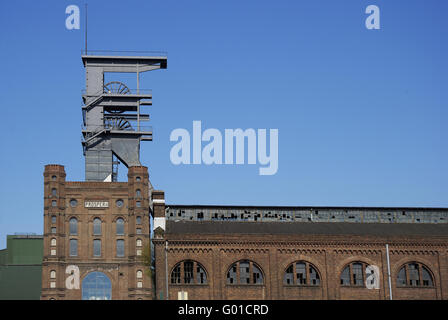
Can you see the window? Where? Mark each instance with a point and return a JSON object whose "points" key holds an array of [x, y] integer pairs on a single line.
{"points": [[354, 274], [414, 274], [175, 274], [139, 242], [53, 230], [73, 226], [73, 202], [249, 273], [54, 203], [138, 204], [53, 178], [54, 192], [97, 248], [138, 179], [73, 247], [188, 272], [138, 220], [301, 273], [120, 248], [357, 274], [52, 274], [139, 284], [138, 193], [97, 226], [53, 252], [139, 274], [119, 203], [53, 219], [96, 286], [53, 242], [52, 284], [120, 226], [139, 231]]}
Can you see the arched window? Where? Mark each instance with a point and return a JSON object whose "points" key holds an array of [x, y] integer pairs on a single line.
{"points": [[354, 274], [53, 219], [139, 242], [138, 220], [53, 242], [120, 226], [414, 274], [301, 273], [244, 272], [96, 286], [138, 193], [52, 274], [139, 274], [97, 226], [188, 272], [73, 226], [54, 192]]}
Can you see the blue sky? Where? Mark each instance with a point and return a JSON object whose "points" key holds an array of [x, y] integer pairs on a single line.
{"points": [[361, 113]]}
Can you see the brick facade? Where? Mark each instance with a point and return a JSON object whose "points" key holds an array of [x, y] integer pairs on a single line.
{"points": [[273, 253], [63, 201], [203, 259]]}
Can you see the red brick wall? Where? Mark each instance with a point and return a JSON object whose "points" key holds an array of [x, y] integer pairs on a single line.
{"points": [[328, 254], [122, 271]]}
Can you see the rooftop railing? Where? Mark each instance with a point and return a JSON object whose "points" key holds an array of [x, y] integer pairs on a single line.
{"points": [[124, 53], [105, 92]]}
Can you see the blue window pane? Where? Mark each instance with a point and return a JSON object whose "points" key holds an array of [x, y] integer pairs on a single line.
{"points": [[97, 248], [73, 226], [73, 247], [96, 286], [120, 248], [97, 226], [120, 226]]}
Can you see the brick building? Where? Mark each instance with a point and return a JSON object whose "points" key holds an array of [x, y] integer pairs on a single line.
{"points": [[212, 252], [97, 238], [96, 235]]}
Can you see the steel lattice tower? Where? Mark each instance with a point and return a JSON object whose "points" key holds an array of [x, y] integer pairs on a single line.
{"points": [[112, 112]]}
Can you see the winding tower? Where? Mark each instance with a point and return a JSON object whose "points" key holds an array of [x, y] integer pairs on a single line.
{"points": [[112, 117]]}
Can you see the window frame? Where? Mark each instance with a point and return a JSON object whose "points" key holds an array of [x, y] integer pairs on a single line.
{"points": [[252, 281], [93, 247], [121, 241], [71, 224], [295, 279], [179, 274], [121, 225], [421, 266], [96, 225], [351, 274], [70, 248]]}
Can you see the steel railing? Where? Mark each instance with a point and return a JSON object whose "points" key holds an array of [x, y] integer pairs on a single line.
{"points": [[105, 93], [161, 54], [108, 126]]}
